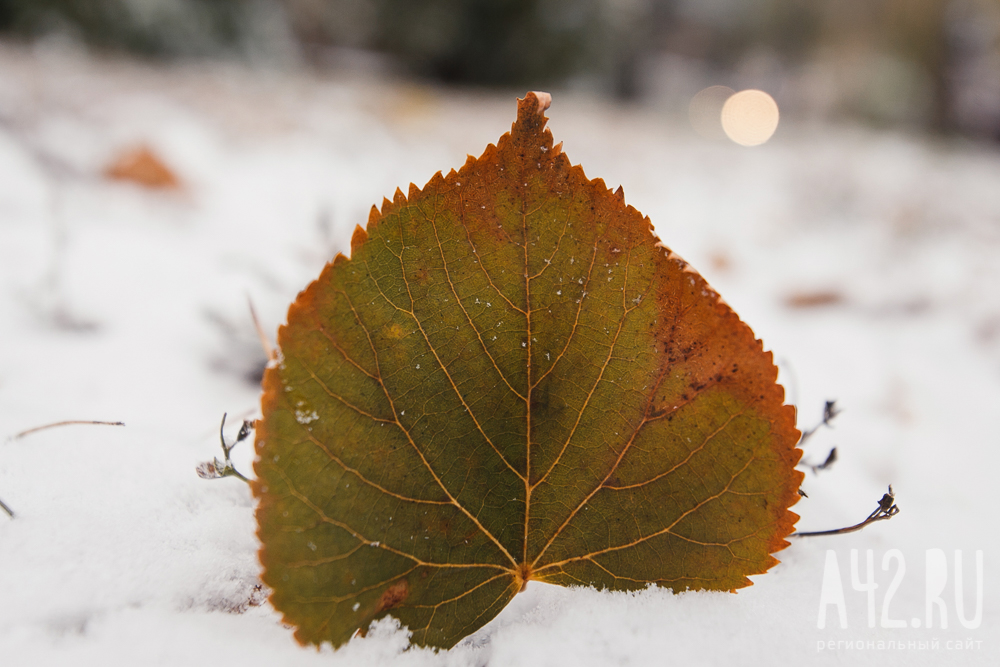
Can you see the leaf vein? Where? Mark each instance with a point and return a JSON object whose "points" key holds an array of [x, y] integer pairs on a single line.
{"points": [[668, 529], [458, 299], [413, 444], [451, 381]]}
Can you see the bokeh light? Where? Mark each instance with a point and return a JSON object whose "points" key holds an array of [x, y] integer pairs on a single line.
{"points": [[705, 111], [750, 117]]}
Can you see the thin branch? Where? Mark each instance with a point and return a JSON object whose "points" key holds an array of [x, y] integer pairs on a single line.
{"points": [[9, 511], [36, 429], [886, 510]]}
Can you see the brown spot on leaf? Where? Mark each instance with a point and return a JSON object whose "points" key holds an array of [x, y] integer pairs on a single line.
{"points": [[393, 596]]}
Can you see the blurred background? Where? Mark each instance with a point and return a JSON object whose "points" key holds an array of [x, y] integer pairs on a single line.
{"points": [[925, 64]]}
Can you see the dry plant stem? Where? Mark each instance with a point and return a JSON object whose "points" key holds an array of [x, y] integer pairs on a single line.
{"points": [[228, 470], [886, 510], [264, 342], [70, 422], [830, 410], [36, 429], [830, 459]]}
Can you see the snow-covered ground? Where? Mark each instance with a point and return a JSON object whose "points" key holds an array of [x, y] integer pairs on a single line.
{"points": [[119, 302]]}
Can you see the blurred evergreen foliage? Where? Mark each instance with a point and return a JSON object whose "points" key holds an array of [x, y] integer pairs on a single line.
{"points": [[931, 63], [489, 42], [149, 27]]}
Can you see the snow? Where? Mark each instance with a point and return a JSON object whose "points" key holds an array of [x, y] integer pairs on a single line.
{"points": [[120, 303]]}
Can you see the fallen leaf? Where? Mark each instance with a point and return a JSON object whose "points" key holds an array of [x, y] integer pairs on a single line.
{"points": [[141, 165], [512, 379]]}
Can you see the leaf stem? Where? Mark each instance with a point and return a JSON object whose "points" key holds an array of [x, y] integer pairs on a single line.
{"points": [[6, 509]]}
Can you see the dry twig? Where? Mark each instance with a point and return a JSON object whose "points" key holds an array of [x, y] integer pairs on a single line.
{"points": [[36, 429], [886, 510]]}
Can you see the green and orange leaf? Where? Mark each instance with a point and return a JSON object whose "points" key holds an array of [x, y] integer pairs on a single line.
{"points": [[512, 379]]}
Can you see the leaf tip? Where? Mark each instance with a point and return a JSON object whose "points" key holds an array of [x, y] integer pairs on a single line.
{"points": [[542, 100], [531, 111]]}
